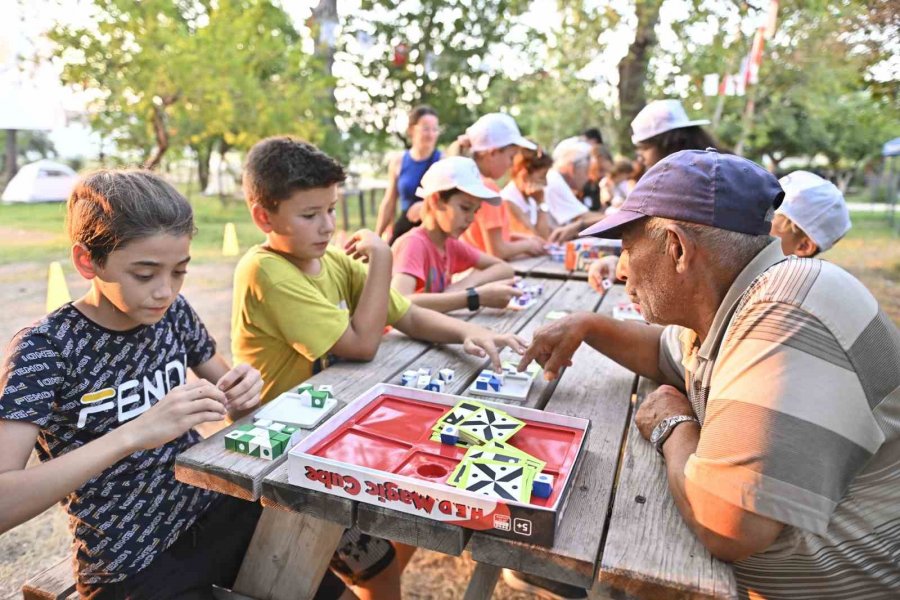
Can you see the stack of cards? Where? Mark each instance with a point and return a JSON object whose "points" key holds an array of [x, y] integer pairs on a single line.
{"points": [[491, 466], [477, 424], [497, 470]]}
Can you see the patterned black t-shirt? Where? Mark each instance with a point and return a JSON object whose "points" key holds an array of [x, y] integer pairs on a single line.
{"points": [[77, 381]]}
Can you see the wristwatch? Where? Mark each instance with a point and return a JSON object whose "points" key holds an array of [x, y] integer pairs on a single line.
{"points": [[472, 299], [664, 429]]}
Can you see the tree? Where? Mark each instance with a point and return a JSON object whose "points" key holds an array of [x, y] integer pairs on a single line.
{"points": [[633, 68], [398, 53], [200, 74]]}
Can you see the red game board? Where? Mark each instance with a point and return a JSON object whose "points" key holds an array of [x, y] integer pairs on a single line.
{"points": [[377, 450]]}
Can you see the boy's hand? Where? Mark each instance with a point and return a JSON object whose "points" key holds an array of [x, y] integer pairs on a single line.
{"points": [[183, 408], [602, 269], [242, 386], [497, 294], [365, 245], [488, 343]]}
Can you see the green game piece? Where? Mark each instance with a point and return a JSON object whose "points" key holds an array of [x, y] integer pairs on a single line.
{"points": [[319, 398], [289, 430], [305, 387]]}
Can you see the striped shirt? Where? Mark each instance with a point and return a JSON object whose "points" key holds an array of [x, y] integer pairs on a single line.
{"points": [[797, 388]]}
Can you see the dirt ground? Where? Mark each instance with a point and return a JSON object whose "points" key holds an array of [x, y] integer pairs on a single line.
{"points": [[44, 540]]}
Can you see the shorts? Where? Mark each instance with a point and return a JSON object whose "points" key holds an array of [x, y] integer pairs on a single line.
{"points": [[359, 556], [208, 553]]}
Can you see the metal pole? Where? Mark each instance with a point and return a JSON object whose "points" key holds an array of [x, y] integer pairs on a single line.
{"points": [[344, 214], [362, 208]]}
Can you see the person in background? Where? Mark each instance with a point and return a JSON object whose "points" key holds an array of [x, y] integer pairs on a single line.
{"points": [[405, 172], [601, 164], [661, 128], [427, 257], [593, 137], [493, 141], [571, 162], [813, 216], [614, 187], [524, 194]]}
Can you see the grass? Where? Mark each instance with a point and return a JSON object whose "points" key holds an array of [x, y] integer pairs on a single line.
{"points": [[36, 232]]}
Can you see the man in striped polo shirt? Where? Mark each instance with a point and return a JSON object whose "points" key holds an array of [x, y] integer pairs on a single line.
{"points": [[779, 417]]}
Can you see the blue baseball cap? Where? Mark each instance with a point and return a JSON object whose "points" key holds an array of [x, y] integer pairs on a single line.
{"points": [[704, 187]]}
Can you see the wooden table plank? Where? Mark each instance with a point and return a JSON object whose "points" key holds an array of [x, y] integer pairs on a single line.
{"points": [[650, 552], [209, 465], [550, 269], [524, 266], [593, 387]]}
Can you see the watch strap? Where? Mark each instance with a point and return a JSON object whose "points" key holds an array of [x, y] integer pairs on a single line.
{"points": [[473, 301], [669, 424]]}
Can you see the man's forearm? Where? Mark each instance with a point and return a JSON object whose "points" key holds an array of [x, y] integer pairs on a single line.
{"points": [[635, 346]]}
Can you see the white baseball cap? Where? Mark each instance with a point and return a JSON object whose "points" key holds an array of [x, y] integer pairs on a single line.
{"points": [[816, 206], [456, 172], [571, 150], [659, 117], [496, 130]]}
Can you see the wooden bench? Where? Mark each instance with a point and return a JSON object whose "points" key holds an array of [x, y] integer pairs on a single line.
{"points": [[54, 583]]}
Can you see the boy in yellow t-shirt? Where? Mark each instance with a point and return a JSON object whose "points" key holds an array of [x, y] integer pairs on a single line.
{"points": [[298, 301]]}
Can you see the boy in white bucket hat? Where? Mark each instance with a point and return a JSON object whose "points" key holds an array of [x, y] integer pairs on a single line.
{"points": [[812, 217], [494, 140]]}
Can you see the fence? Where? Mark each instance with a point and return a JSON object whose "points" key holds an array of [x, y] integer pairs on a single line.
{"points": [[359, 208]]}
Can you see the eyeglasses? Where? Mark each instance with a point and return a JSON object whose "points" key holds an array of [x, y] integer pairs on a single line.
{"points": [[423, 129]]}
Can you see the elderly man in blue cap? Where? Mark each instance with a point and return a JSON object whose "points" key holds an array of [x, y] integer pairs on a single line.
{"points": [[779, 414]]}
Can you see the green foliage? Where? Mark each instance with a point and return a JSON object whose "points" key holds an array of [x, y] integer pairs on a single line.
{"points": [[815, 95], [455, 53], [176, 73]]}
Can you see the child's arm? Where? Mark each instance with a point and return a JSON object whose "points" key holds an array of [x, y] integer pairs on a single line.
{"points": [[487, 269], [519, 215], [507, 250], [388, 207], [431, 326], [363, 335], [242, 384], [496, 294], [25, 493]]}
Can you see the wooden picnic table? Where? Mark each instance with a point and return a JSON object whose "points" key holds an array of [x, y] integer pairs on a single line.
{"points": [[619, 527]]}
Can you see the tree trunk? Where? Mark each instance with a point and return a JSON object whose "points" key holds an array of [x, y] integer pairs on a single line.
{"points": [[204, 153], [160, 130], [633, 70], [11, 152]]}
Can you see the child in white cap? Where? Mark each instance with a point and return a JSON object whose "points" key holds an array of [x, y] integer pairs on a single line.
{"points": [[494, 140], [812, 217], [427, 257]]}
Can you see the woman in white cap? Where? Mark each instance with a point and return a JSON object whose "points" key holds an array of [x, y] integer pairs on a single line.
{"points": [[660, 129], [493, 141], [663, 128], [427, 257]]}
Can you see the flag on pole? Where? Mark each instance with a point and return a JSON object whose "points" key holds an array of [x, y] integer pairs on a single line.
{"points": [[771, 19], [755, 58], [711, 84]]}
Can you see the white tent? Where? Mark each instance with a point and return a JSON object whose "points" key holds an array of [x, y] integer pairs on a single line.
{"points": [[41, 181]]}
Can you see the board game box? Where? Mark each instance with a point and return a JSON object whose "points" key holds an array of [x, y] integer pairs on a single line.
{"points": [[382, 449]]}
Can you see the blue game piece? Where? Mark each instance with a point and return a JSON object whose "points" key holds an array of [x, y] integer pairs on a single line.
{"points": [[450, 435], [542, 486]]}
